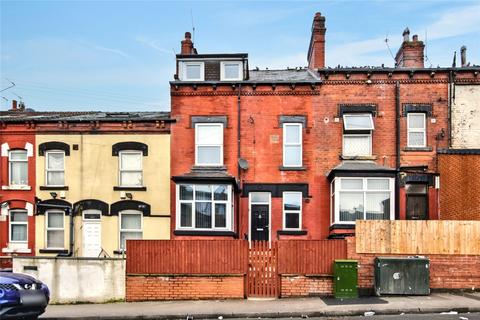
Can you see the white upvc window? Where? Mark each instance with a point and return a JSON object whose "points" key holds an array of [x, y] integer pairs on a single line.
{"points": [[362, 199], [417, 133], [131, 226], [131, 172], [193, 70], [357, 136], [209, 144], [231, 70], [357, 145], [292, 145], [18, 167], [18, 229], [55, 229], [292, 210], [55, 168], [204, 207]]}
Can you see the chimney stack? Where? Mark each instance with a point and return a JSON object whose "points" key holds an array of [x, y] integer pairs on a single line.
{"points": [[187, 45], [316, 50], [463, 56], [410, 54], [14, 105]]}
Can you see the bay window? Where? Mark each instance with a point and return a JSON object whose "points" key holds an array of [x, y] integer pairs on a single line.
{"points": [[357, 137], [131, 226], [362, 199], [18, 230], [292, 145], [131, 174], [18, 167], [209, 144], [292, 210], [55, 168], [204, 207], [55, 229]]}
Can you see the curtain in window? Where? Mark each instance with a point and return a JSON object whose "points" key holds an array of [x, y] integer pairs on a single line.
{"points": [[19, 173], [185, 214], [55, 238], [209, 154], [186, 192], [351, 206], [55, 161], [203, 214], [55, 220], [220, 215], [378, 206], [18, 220], [131, 161], [231, 70], [356, 145], [131, 221]]}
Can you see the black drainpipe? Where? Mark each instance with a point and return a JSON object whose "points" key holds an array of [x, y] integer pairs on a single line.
{"points": [[397, 153], [69, 211], [239, 170], [451, 93]]}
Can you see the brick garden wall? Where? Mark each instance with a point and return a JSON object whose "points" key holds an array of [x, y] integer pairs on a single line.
{"points": [[172, 287], [302, 286]]}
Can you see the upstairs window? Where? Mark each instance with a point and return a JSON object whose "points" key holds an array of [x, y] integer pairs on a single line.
{"points": [[357, 136], [18, 167], [292, 210], [292, 145], [193, 71], [209, 144], [416, 123], [131, 174], [231, 70], [55, 168], [18, 226]]}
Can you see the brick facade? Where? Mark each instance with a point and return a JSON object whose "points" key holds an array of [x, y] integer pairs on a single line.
{"points": [[303, 286], [178, 287], [460, 186]]}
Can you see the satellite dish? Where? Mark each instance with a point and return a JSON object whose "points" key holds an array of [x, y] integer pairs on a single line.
{"points": [[243, 163]]}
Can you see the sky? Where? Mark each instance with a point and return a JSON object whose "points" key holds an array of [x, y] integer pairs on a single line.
{"points": [[120, 55]]}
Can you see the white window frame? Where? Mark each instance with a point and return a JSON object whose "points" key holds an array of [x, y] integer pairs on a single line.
{"points": [[17, 223], [417, 130], [120, 230], [120, 170], [10, 167], [336, 190], [47, 228], [369, 135], [222, 71], [299, 212], [300, 143], [54, 170], [184, 65], [228, 202], [356, 115], [199, 125]]}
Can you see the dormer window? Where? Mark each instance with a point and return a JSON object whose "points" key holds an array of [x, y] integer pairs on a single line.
{"points": [[230, 70], [193, 71]]}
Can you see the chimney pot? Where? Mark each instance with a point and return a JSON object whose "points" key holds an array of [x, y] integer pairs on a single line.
{"points": [[187, 44], [316, 50], [463, 55], [406, 34], [415, 37]]}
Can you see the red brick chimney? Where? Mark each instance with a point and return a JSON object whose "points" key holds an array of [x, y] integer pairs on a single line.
{"points": [[14, 105], [187, 44], [316, 50], [410, 54]]}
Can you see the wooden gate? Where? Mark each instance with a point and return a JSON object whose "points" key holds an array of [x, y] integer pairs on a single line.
{"points": [[262, 276]]}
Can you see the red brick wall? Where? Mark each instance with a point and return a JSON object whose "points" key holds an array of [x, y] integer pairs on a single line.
{"points": [[446, 271], [302, 286], [142, 288], [459, 186]]}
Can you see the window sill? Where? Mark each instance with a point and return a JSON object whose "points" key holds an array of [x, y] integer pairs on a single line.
{"points": [[292, 232], [26, 188], [283, 168], [342, 226], [53, 187], [204, 233], [220, 167], [358, 157], [16, 250], [62, 251], [417, 149], [129, 188]]}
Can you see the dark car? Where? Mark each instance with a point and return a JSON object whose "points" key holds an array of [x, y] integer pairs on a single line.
{"points": [[22, 296]]}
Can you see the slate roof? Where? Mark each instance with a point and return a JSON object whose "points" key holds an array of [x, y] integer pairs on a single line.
{"points": [[81, 116], [282, 75], [359, 166]]}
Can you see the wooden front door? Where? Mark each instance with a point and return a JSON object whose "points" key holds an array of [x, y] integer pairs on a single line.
{"points": [[260, 224]]}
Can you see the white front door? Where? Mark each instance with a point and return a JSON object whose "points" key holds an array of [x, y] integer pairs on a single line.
{"points": [[92, 233]]}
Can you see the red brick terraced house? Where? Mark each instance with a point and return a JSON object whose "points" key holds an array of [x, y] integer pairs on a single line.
{"points": [[17, 194], [303, 153]]}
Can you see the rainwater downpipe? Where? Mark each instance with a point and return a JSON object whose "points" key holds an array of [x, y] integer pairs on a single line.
{"points": [[397, 151], [239, 170]]}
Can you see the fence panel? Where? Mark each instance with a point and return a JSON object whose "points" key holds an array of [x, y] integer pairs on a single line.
{"points": [[5, 262], [187, 257], [418, 237], [314, 257]]}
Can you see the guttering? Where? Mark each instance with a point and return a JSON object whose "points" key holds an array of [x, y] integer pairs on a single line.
{"points": [[397, 149]]}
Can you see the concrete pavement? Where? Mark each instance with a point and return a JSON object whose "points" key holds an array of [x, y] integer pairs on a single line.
{"points": [[280, 308]]}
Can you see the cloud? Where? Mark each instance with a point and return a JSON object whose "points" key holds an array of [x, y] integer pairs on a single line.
{"points": [[151, 43], [114, 51]]}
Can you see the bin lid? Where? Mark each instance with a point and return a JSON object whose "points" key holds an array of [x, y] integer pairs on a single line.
{"points": [[345, 261], [410, 258]]}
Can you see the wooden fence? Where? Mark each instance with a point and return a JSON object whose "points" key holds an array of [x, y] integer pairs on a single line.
{"points": [[5, 262], [418, 237], [309, 257], [187, 257]]}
